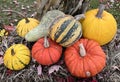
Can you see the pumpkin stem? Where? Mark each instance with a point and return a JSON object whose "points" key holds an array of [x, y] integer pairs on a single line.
{"points": [[82, 50], [46, 43], [27, 20], [80, 16], [12, 52], [100, 10]]}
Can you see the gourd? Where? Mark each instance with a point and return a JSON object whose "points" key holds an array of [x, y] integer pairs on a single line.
{"points": [[65, 31], [85, 58], [43, 28], [25, 25], [46, 52], [16, 57], [99, 25]]}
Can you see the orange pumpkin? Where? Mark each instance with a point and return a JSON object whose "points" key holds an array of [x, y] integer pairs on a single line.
{"points": [[46, 52], [85, 58]]}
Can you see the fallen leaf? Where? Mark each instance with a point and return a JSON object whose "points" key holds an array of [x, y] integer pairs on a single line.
{"points": [[9, 72], [39, 70], [70, 79], [9, 28], [54, 68]]}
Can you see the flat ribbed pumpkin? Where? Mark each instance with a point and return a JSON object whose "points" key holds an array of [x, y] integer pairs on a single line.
{"points": [[25, 25], [85, 58], [65, 30], [17, 57], [99, 25], [46, 52]]}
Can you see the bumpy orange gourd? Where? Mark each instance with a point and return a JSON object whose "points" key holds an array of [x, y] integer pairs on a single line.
{"points": [[99, 25], [46, 52], [85, 58]]}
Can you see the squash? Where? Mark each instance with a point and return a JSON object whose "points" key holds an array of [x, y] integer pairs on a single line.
{"points": [[65, 31], [99, 25], [46, 52], [43, 28], [17, 57], [85, 58], [25, 25]]}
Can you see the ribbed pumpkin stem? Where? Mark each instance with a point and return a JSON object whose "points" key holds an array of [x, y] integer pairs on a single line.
{"points": [[27, 20], [46, 42], [82, 50], [100, 10], [12, 52]]}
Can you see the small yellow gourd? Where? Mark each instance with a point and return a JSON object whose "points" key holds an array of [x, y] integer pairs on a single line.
{"points": [[17, 57], [25, 25]]}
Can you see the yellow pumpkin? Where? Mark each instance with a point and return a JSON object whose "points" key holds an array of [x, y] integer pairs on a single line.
{"points": [[99, 25], [25, 25], [17, 57]]}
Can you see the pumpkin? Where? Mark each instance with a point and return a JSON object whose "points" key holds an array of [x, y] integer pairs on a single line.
{"points": [[46, 52], [99, 25], [25, 25], [85, 58], [65, 31], [17, 57], [43, 28]]}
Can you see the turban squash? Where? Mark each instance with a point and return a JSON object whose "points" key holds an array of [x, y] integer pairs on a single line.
{"points": [[65, 30], [42, 29], [46, 52], [25, 25], [17, 57], [99, 25], [85, 58]]}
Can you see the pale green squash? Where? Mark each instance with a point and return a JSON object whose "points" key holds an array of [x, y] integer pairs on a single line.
{"points": [[43, 28]]}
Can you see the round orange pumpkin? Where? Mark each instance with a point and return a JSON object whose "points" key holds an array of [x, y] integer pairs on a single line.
{"points": [[85, 58], [46, 52]]}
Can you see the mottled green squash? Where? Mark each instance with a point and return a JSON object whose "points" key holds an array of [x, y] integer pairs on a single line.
{"points": [[43, 28]]}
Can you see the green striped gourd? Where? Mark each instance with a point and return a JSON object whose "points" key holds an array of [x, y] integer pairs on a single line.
{"points": [[42, 29], [65, 30]]}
